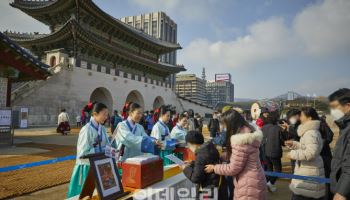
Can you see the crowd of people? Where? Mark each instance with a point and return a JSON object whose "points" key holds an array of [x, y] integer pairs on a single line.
{"points": [[308, 138], [248, 147], [134, 132], [149, 119]]}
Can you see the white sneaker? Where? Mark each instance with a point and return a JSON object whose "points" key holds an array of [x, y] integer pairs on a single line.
{"points": [[271, 187]]}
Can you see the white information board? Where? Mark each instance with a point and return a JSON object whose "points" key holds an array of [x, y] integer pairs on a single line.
{"points": [[24, 118], [5, 117]]}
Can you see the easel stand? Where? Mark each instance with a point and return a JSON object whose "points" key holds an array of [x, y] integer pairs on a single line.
{"points": [[91, 181]]}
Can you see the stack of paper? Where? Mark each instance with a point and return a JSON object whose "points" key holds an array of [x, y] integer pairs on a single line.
{"points": [[143, 159]]}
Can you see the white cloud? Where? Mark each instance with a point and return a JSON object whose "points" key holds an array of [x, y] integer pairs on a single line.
{"points": [[325, 28], [266, 40], [319, 30], [16, 20]]}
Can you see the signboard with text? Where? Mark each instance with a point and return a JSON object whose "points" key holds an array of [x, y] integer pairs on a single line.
{"points": [[6, 133], [5, 117], [24, 118], [223, 77]]}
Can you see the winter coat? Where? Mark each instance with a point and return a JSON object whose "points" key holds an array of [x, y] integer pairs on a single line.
{"points": [[214, 125], [340, 168], [273, 140], [306, 152], [205, 155], [326, 153], [249, 178]]}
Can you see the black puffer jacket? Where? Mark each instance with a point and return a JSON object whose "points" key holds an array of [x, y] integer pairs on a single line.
{"points": [[214, 125], [327, 136], [340, 171], [273, 140], [205, 155]]}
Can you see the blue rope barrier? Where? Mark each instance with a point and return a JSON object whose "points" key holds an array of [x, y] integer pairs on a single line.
{"points": [[35, 164], [293, 176], [73, 157]]}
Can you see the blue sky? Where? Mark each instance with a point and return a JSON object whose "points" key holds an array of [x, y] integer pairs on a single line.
{"points": [[270, 47]]}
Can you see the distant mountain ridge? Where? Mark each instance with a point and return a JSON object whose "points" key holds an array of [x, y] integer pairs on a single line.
{"points": [[291, 94]]}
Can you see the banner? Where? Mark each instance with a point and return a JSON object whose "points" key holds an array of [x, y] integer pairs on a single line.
{"points": [[223, 77]]}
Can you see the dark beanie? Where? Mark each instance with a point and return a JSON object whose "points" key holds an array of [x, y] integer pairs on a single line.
{"points": [[194, 137]]}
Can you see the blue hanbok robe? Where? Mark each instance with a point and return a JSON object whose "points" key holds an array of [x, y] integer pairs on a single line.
{"points": [[89, 135], [179, 133], [161, 132], [133, 140]]}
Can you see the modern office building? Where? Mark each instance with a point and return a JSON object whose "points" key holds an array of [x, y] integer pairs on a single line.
{"points": [[191, 87], [220, 90], [160, 26]]}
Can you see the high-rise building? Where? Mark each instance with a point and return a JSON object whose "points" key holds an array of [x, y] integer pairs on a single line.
{"points": [[191, 87], [160, 26], [220, 90]]}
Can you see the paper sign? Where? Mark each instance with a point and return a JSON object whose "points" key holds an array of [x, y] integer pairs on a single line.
{"points": [[175, 159], [24, 118]]}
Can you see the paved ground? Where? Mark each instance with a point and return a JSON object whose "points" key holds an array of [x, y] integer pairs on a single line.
{"points": [[53, 193], [51, 181], [46, 136]]}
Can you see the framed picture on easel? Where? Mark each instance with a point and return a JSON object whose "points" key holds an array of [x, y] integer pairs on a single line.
{"points": [[103, 175], [107, 179]]}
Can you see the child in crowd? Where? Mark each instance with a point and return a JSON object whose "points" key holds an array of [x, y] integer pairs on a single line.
{"points": [[209, 185]]}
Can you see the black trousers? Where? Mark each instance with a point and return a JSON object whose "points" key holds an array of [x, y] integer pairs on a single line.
{"points": [[292, 163], [327, 170], [230, 186], [273, 165], [299, 197], [213, 133]]}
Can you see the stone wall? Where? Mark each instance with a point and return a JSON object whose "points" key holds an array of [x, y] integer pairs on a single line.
{"points": [[74, 87]]}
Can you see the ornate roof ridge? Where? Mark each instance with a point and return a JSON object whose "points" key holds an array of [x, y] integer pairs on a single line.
{"points": [[102, 44], [23, 35], [24, 53], [32, 4], [132, 29], [44, 4]]}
